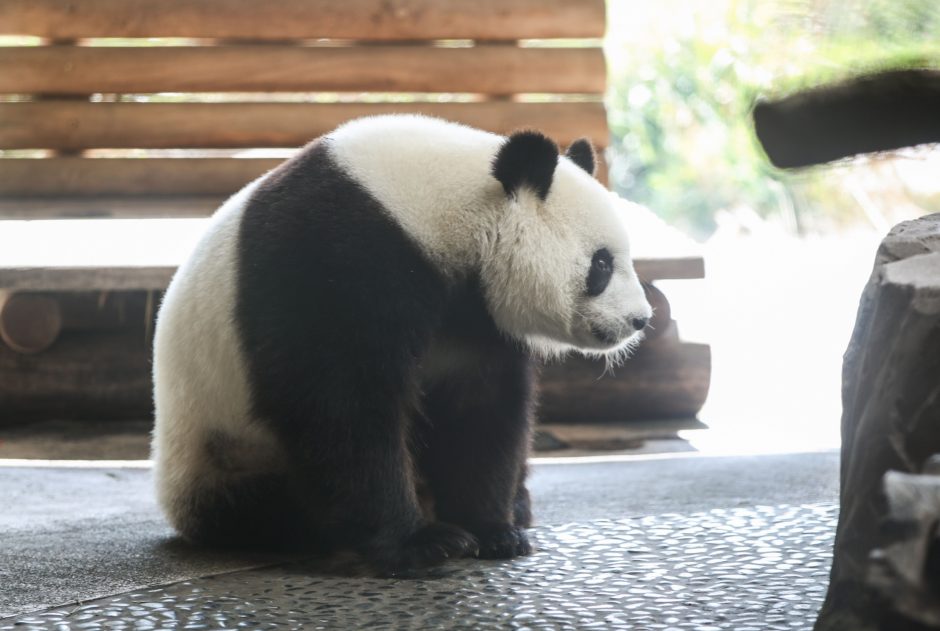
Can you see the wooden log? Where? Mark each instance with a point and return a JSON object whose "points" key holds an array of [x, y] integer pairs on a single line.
{"points": [[108, 207], [85, 278], [307, 19], [275, 68], [104, 310], [74, 126], [891, 416], [661, 381], [97, 375], [84, 375], [29, 322], [73, 176]]}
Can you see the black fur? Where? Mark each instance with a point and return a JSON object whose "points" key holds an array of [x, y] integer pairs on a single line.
{"points": [[602, 268], [337, 309], [475, 436], [868, 113], [527, 158], [581, 152]]}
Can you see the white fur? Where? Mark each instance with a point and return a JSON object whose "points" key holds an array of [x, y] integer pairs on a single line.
{"points": [[199, 374], [433, 176]]}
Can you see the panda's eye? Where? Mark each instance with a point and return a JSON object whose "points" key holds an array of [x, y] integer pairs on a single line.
{"points": [[602, 268]]}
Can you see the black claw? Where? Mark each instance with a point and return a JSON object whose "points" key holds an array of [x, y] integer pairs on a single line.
{"points": [[502, 542], [434, 544]]}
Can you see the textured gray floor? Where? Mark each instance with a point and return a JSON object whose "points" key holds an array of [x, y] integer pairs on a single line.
{"points": [[700, 543]]}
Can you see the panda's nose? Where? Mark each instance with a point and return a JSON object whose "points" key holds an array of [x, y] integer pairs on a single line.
{"points": [[639, 323]]}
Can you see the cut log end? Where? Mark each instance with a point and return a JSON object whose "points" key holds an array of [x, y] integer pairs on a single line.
{"points": [[29, 323]]}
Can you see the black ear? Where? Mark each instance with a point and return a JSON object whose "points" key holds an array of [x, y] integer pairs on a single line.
{"points": [[582, 153], [527, 158]]}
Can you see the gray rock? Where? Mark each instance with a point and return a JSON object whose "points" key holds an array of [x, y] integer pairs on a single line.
{"points": [[890, 418]]}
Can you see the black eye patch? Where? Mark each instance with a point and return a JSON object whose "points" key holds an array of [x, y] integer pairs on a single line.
{"points": [[602, 268]]}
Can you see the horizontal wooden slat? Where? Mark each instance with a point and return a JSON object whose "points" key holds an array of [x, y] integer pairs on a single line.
{"points": [[81, 125], [117, 278], [496, 69], [675, 267], [132, 177], [107, 207], [128, 277], [305, 19], [128, 176], [142, 253]]}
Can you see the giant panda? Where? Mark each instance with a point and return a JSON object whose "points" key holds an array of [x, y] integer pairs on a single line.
{"points": [[345, 361]]}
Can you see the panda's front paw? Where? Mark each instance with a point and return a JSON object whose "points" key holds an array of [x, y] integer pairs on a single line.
{"points": [[502, 541], [430, 545]]}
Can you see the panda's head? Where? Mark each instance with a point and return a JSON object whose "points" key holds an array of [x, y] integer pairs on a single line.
{"points": [[558, 273]]}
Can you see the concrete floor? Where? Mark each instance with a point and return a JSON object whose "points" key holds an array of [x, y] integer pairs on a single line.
{"points": [[73, 535]]}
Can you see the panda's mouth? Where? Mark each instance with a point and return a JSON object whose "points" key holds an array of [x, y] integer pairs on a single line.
{"points": [[605, 336]]}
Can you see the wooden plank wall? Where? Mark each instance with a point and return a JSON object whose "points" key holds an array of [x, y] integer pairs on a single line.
{"points": [[241, 74], [272, 20]]}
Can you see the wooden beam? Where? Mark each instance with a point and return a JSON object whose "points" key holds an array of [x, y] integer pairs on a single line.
{"points": [[51, 177], [75, 125], [107, 207], [111, 278], [307, 19], [496, 69], [672, 267], [663, 380], [153, 277]]}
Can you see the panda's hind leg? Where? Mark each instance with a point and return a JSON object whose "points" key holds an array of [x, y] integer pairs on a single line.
{"points": [[359, 491], [229, 488], [249, 511]]}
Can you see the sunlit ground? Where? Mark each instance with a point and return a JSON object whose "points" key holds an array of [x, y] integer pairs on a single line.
{"points": [[778, 311]]}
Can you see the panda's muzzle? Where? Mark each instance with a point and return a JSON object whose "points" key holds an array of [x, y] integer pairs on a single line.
{"points": [[605, 336], [611, 338]]}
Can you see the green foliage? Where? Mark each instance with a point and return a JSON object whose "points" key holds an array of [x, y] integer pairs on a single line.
{"points": [[684, 76]]}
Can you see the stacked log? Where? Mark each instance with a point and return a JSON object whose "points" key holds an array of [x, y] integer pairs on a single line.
{"points": [[97, 368], [664, 379], [885, 567]]}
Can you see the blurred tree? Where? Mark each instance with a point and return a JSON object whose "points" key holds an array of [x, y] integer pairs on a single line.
{"points": [[685, 74]]}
